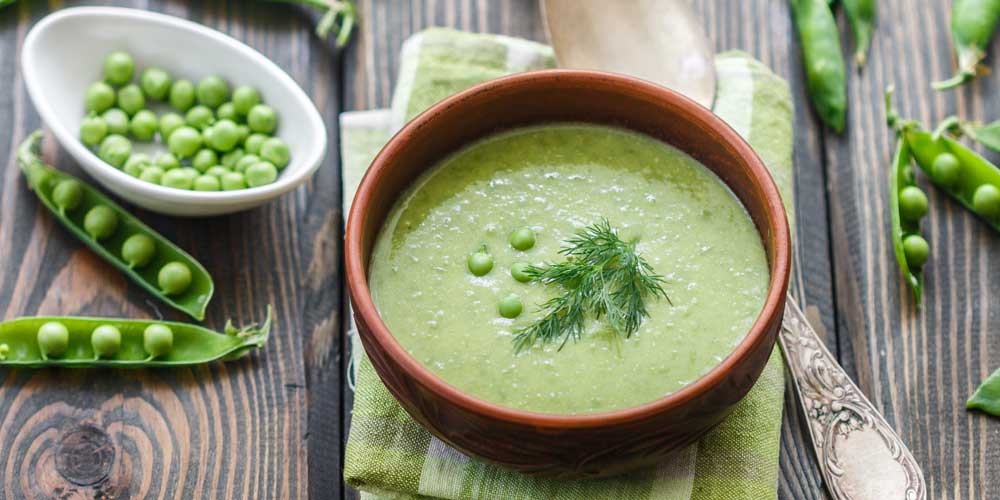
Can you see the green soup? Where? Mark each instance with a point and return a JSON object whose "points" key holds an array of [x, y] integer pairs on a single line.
{"points": [[557, 179]]}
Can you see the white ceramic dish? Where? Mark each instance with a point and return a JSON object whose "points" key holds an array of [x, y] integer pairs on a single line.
{"points": [[64, 53]]}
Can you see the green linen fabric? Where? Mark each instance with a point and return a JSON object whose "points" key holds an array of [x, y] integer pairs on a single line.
{"points": [[389, 456]]}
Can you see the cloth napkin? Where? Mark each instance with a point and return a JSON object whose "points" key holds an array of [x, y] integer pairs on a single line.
{"points": [[389, 456]]}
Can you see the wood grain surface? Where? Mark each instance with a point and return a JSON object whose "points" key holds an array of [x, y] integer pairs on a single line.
{"points": [[237, 430], [272, 425]]}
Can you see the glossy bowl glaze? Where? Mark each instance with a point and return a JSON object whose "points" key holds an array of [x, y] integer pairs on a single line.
{"points": [[548, 444]]}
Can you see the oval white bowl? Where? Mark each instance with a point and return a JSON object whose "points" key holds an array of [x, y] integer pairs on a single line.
{"points": [[64, 53]]}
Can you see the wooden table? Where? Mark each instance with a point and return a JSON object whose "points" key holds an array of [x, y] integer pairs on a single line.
{"points": [[272, 425]]}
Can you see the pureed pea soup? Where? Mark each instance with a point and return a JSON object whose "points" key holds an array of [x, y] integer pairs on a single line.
{"points": [[556, 180]]}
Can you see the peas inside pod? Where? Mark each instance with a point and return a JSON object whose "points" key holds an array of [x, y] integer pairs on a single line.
{"points": [[199, 123], [120, 238], [122, 343]]}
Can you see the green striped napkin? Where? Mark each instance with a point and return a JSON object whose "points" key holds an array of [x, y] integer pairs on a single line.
{"points": [[389, 456]]}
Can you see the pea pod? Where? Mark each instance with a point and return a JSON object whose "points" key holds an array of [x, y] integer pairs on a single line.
{"points": [[105, 227], [987, 396], [973, 181], [905, 221], [972, 25], [138, 343], [824, 63], [861, 14], [988, 135]]}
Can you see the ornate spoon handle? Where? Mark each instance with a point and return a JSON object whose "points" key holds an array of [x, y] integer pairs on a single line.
{"points": [[861, 457]]}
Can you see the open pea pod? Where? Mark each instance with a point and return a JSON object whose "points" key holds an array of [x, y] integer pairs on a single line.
{"points": [[192, 298], [973, 180], [191, 344], [902, 176]]}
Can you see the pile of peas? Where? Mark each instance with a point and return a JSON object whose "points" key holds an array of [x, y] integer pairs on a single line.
{"points": [[101, 222], [223, 141], [480, 263]]}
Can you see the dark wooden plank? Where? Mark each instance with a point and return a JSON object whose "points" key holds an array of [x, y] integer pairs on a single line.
{"points": [[235, 430], [372, 64], [917, 366], [764, 30]]}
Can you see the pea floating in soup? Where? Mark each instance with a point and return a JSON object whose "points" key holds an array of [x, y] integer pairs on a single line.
{"points": [[551, 182]]}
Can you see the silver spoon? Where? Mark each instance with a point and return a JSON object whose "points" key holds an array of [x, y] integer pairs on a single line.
{"points": [[860, 456]]}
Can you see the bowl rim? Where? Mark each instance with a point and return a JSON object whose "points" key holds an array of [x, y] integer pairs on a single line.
{"points": [[771, 310], [313, 121]]}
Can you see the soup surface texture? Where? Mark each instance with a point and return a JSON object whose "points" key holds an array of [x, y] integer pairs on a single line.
{"points": [[557, 179]]}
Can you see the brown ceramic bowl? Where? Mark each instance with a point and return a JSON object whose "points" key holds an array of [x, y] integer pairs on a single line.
{"points": [[548, 444]]}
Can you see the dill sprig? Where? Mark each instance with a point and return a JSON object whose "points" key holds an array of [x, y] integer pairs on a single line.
{"points": [[602, 277]]}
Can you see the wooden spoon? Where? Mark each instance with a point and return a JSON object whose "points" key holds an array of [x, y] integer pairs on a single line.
{"points": [[656, 40]]}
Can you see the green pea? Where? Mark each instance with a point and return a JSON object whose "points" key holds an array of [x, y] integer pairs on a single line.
{"points": [[244, 132], [262, 118], [177, 179], [106, 341], [68, 194], [136, 164], [275, 151], [253, 143], [260, 174], [909, 174], [245, 98], [480, 262], [213, 91], [167, 161], [138, 250], [4, 350], [144, 125], [199, 117], [117, 121], [510, 307], [100, 222], [99, 97], [157, 340], [155, 82], [152, 174], [182, 95], [204, 159], [93, 129], [519, 270], [232, 181], [916, 250], [53, 339], [115, 149], [244, 163], [174, 278], [130, 99], [191, 172], [168, 123], [223, 136], [207, 183], [227, 112], [946, 169], [229, 159], [184, 142], [217, 171], [118, 68], [912, 203], [522, 239], [986, 201]]}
